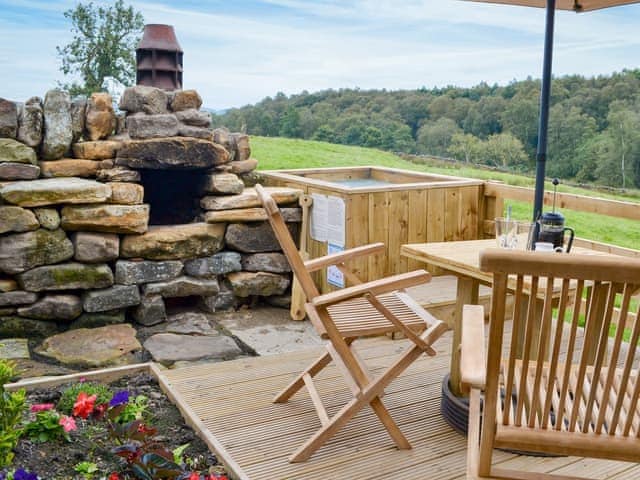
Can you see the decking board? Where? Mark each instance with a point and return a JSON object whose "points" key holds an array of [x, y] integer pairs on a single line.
{"points": [[231, 402]]}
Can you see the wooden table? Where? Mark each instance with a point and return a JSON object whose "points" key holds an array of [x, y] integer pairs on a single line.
{"points": [[462, 258]]}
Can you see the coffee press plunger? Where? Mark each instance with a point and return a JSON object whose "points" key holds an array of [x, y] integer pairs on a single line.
{"points": [[551, 227]]}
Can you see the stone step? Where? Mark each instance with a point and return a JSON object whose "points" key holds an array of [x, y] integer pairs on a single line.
{"points": [[249, 199]]}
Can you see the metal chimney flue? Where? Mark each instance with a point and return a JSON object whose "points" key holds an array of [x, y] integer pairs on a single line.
{"points": [[159, 58]]}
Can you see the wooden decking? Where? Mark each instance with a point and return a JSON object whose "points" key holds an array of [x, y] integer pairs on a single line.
{"points": [[231, 403]]}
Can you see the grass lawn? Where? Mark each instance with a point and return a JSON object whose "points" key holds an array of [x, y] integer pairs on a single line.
{"points": [[285, 153]]}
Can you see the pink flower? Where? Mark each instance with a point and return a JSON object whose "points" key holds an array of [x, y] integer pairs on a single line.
{"points": [[84, 405], [68, 423], [41, 407], [194, 476]]}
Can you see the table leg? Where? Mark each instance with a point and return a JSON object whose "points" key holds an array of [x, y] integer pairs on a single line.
{"points": [[467, 294]]}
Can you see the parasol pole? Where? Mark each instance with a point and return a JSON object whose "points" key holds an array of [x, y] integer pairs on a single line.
{"points": [[543, 125]]}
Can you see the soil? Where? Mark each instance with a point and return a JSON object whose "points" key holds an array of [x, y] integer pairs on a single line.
{"points": [[55, 460]]}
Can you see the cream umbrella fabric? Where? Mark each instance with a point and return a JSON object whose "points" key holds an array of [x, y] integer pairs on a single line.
{"points": [[575, 5]]}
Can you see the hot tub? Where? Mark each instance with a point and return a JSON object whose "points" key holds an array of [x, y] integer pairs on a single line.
{"points": [[391, 206]]}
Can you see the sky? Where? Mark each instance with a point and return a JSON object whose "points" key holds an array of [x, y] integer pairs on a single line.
{"points": [[239, 51]]}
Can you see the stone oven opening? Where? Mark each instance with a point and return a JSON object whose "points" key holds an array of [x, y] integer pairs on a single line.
{"points": [[173, 195]]}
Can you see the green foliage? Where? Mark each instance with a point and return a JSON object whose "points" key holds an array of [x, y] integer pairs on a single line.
{"points": [[502, 120], [12, 406], [103, 45], [70, 394], [86, 469], [45, 427], [134, 409]]}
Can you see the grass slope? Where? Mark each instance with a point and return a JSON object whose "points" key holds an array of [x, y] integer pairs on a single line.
{"points": [[285, 153]]}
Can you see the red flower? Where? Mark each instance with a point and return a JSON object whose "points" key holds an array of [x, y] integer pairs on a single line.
{"points": [[84, 405], [68, 423], [41, 407], [194, 476], [114, 476]]}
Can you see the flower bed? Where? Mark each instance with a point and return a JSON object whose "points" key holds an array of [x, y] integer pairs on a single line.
{"points": [[85, 430]]}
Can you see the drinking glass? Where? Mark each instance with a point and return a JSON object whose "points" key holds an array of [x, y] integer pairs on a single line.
{"points": [[506, 230]]}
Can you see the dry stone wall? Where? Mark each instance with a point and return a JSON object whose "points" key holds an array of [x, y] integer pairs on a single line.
{"points": [[76, 245]]}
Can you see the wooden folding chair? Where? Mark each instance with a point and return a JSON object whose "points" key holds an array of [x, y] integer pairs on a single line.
{"points": [[371, 308], [571, 390]]}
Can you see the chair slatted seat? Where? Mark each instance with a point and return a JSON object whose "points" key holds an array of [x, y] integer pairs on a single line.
{"points": [[341, 317], [572, 388]]}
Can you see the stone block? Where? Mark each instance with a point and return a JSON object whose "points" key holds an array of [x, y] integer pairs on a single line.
{"points": [[98, 319], [66, 276], [223, 183], [243, 149], [13, 326], [112, 298], [30, 122], [100, 118], [95, 347], [195, 132], [168, 348], [24, 251], [194, 118], [14, 348], [264, 284], [174, 242], [8, 285], [18, 171], [99, 150], [134, 273], [17, 219], [118, 174], [255, 214], [184, 100], [53, 191], [249, 198], [106, 218], [54, 307], [49, 218], [244, 166], [58, 131], [17, 297], [182, 287], [251, 238], [149, 100], [78, 118], [266, 262], [91, 247], [125, 193], [142, 126], [8, 119], [172, 152], [69, 167], [151, 311], [209, 267], [15, 152]]}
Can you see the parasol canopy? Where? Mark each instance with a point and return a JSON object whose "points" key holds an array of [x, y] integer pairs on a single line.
{"points": [[574, 5]]}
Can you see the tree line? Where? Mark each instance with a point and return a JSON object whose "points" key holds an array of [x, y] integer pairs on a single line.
{"points": [[594, 123]]}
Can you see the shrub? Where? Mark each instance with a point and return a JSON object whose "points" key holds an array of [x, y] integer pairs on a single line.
{"points": [[12, 405]]}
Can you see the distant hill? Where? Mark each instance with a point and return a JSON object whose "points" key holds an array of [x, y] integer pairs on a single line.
{"points": [[594, 123]]}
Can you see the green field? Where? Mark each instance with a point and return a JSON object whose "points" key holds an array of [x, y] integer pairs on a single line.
{"points": [[285, 153]]}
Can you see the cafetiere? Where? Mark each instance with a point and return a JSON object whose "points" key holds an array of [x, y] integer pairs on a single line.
{"points": [[551, 228]]}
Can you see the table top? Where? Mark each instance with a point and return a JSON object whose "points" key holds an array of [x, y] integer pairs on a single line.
{"points": [[463, 257]]}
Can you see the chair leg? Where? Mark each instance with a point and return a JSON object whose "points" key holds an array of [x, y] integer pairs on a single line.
{"points": [[392, 428], [312, 370], [298, 383]]}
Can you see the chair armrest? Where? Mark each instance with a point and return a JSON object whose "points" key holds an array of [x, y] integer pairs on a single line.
{"points": [[376, 287], [336, 258], [472, 356]]}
